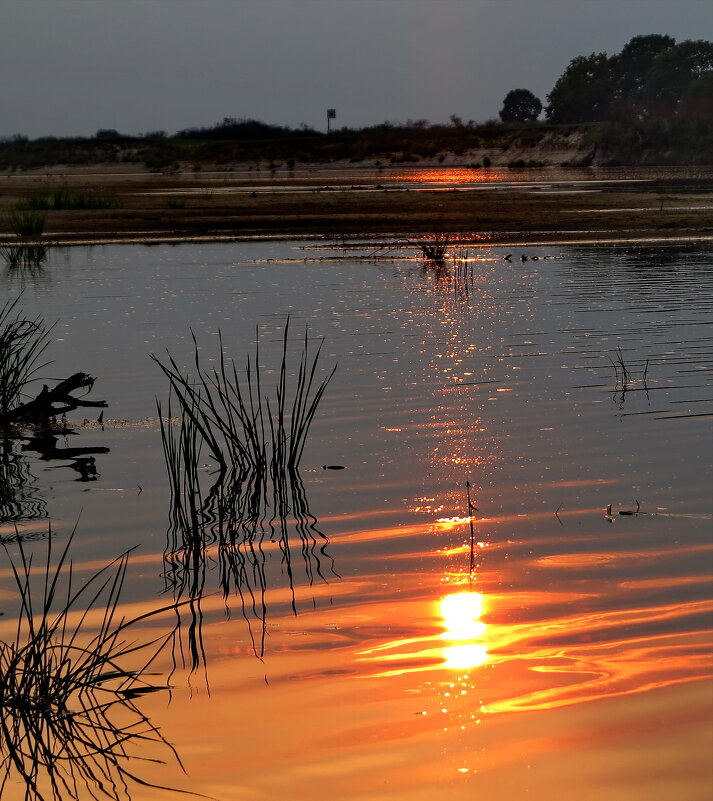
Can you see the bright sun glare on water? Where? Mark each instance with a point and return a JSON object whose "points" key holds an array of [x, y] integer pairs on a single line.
{"points": [[461, 614]]}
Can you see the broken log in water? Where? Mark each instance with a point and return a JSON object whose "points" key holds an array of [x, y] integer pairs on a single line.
{"points": [[53, 402]]}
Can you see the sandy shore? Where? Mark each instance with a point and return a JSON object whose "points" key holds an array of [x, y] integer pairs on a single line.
{"points": [[491, 207]]}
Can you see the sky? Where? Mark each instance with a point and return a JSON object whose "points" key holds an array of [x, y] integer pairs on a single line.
{"points": [[71, 67]]}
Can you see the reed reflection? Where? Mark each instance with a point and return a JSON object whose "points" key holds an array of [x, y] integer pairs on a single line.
{"points": [[452, 271], [19, 496]]}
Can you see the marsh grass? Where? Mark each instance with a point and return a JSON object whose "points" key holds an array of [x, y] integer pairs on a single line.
{"points": [[27, 223], [61, 198], [25, 251], [433, 247], [241, 427], [231, 524], [253, 498], [70, 724], [22, 344]]}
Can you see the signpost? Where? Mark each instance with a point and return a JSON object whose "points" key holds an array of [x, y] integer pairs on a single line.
{"points": [[331, 115]]}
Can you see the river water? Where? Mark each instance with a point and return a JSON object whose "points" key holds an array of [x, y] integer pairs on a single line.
{"points": [[401, 644]]}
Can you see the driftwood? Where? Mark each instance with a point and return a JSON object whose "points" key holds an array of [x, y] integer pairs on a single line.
{"points": [[51, 403]]}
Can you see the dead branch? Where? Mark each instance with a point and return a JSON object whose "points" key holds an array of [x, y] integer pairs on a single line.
{"points": [[51, 403]]}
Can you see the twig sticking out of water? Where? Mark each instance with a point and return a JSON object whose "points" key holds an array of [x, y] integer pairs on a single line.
{"points": [[620, 369], [610, 515], [631, 511], [471, 508], [623, 377], [557, 514]]}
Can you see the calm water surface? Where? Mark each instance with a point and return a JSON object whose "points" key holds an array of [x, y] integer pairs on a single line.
{"points": [[374, 663]]}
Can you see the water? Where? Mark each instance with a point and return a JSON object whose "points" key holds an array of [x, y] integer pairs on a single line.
{"points": [[575, 653]]}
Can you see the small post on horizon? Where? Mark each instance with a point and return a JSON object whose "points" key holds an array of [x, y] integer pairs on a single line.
{"points": [[331, 115]]}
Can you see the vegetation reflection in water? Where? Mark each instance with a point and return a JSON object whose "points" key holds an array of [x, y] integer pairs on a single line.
{"points": [[37, 423], [254, 498], [20, 495]]}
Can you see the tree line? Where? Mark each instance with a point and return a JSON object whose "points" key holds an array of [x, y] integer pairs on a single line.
{"points": [[653, 78]]}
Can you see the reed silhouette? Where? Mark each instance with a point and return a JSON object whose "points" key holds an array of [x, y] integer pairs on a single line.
{"points": [[71, 725], [231, 519]]}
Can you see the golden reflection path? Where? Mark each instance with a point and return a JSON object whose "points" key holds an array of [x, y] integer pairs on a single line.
{"points": [[454, 176], [544, 648]]}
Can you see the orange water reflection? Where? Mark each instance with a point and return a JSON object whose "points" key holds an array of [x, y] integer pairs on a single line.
{"points": [[543, 647], [453, 176]]}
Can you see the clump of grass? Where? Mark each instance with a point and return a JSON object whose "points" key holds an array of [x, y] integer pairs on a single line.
{"points": [[620, 369], [435, 248], [254, 494], [27, 224], [22, 343], [26, 251], [223, 522], [62, 198], [256, 433], [70, 724]]}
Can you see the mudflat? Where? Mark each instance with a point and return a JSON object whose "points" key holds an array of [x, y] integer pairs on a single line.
{"points": [[497, 206]]}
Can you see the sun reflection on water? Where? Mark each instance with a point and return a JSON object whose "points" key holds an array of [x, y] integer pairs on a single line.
{"points": [[461, 613]]}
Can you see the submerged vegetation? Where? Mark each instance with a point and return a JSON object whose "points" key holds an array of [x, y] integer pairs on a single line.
{"points": [[68, 690]]}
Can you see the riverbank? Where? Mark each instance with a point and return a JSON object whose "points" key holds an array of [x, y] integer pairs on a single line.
{"points": [[490, 206]]}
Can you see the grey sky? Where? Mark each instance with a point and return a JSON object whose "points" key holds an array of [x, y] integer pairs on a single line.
{"points": [[73, 66]]}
